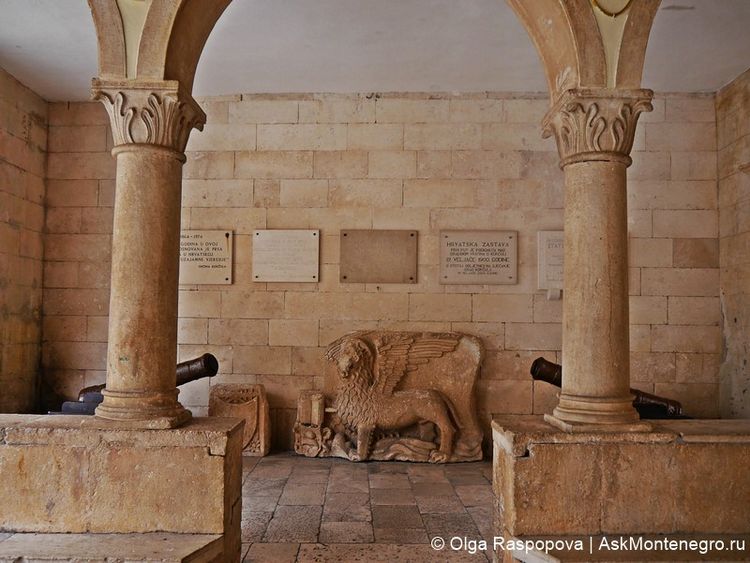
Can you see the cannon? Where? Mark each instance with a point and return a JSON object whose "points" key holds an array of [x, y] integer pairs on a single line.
{"points": [[191, 370], [648, 405]]}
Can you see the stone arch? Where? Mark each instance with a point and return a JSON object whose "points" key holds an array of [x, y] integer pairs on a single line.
{"points": [[110, 39], [168, 46], [571, 42]]}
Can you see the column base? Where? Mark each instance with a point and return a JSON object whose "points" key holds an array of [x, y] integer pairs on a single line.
{"points": [[580, 427], [155, 411], [579, 413]]}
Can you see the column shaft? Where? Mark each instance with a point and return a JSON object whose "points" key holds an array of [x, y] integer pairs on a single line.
{"points": [[142, 345], [595, 308]]}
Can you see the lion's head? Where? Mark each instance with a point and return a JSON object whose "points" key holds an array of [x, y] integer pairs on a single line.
{"points": [[353, 358]]}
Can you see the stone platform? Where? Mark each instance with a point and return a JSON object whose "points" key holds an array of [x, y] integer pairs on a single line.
{"points": [[82, 475], [683, 477], [105, 548]]}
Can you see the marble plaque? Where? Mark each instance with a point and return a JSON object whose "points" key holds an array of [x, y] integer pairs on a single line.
{"points": [[286, 256], [205, 257], [550, 259], [478, 257], [378, 256]]}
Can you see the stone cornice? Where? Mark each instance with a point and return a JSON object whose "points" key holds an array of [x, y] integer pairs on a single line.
{"points": [[142, 113], [596, 124]]}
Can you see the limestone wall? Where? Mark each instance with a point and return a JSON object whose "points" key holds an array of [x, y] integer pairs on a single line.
{"points": [[733, 121], [388, 162], [23, 142]]}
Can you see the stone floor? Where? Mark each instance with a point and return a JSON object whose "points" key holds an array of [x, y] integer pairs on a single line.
{"points": [[302, 509]]}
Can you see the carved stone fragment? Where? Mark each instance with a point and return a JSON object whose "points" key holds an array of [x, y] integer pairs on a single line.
{"points": [[405, 396], [249, 403]]}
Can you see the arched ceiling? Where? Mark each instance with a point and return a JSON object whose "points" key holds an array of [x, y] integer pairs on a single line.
{"points": [[365, 46]]}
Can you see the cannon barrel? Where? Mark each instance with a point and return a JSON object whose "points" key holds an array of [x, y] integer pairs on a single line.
{"points": [[190, 370], [647, 404]]}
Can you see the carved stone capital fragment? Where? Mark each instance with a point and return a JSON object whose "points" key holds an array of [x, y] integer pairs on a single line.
{"points": [[596, 124], [156, 113]]}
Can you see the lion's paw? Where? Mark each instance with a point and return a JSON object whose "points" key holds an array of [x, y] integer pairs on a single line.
{"points": [[436, 456]]}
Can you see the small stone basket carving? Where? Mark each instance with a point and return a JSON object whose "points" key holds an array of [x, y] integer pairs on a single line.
{"points": [[247, 402]]}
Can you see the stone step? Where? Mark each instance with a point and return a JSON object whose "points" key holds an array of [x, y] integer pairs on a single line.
{"points": [[111, 548]]}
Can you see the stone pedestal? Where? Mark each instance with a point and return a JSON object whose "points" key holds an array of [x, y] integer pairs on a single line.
{"points": [[78, 474], [683, 477]]}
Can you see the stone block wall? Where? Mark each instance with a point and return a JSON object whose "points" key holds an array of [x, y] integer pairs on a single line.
{"points": [[396, 161], [23, 145], [733, 123]]}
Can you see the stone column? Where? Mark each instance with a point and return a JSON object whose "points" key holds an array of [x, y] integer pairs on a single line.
{"points": [[150, 126], [594, 129]]}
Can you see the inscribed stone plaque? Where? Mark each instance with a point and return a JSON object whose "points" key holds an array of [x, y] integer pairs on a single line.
{"points": [[381, 256], [478, 257], [550, 259], [286, 255], [205, 257]]}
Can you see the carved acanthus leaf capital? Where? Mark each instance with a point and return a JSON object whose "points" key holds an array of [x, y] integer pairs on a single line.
{"points": [[151, 114], [596, 124]]}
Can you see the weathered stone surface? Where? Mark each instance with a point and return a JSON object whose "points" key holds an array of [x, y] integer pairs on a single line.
{"points": [[399, 395], [249, 403], [70, 474], [549, 482], [294, 524], [102, 548]]}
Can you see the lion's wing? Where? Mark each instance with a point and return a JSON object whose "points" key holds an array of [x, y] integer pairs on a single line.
{"points": [[404, 354]]}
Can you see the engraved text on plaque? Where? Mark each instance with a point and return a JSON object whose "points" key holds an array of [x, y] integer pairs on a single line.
{"points": [[205, 257], [478, 257]]}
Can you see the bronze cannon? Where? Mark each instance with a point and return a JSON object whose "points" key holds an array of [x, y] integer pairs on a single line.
{"points": [[647, 405], [191, 370]]}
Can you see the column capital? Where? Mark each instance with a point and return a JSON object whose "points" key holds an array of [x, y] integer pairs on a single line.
{"points": [[149, 113], [595, 123]]}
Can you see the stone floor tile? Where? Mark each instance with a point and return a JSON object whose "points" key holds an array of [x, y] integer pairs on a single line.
{"points": [[396, 517], [304, 476], [254, 525], [307, 494], [244, 549], [398, 497], [346, 532], [348, 485], [313, 462], [254, 503], [353, 553], [451, 525], [482, 516], [347, 507], [439, 504], [388, 467], [467, 479], [5, 536], [248, 464], [262, 487], [389, 481], [272, 470], [272, 552], [433, 489], [475, 495], [294, 524], [401, 535]]}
